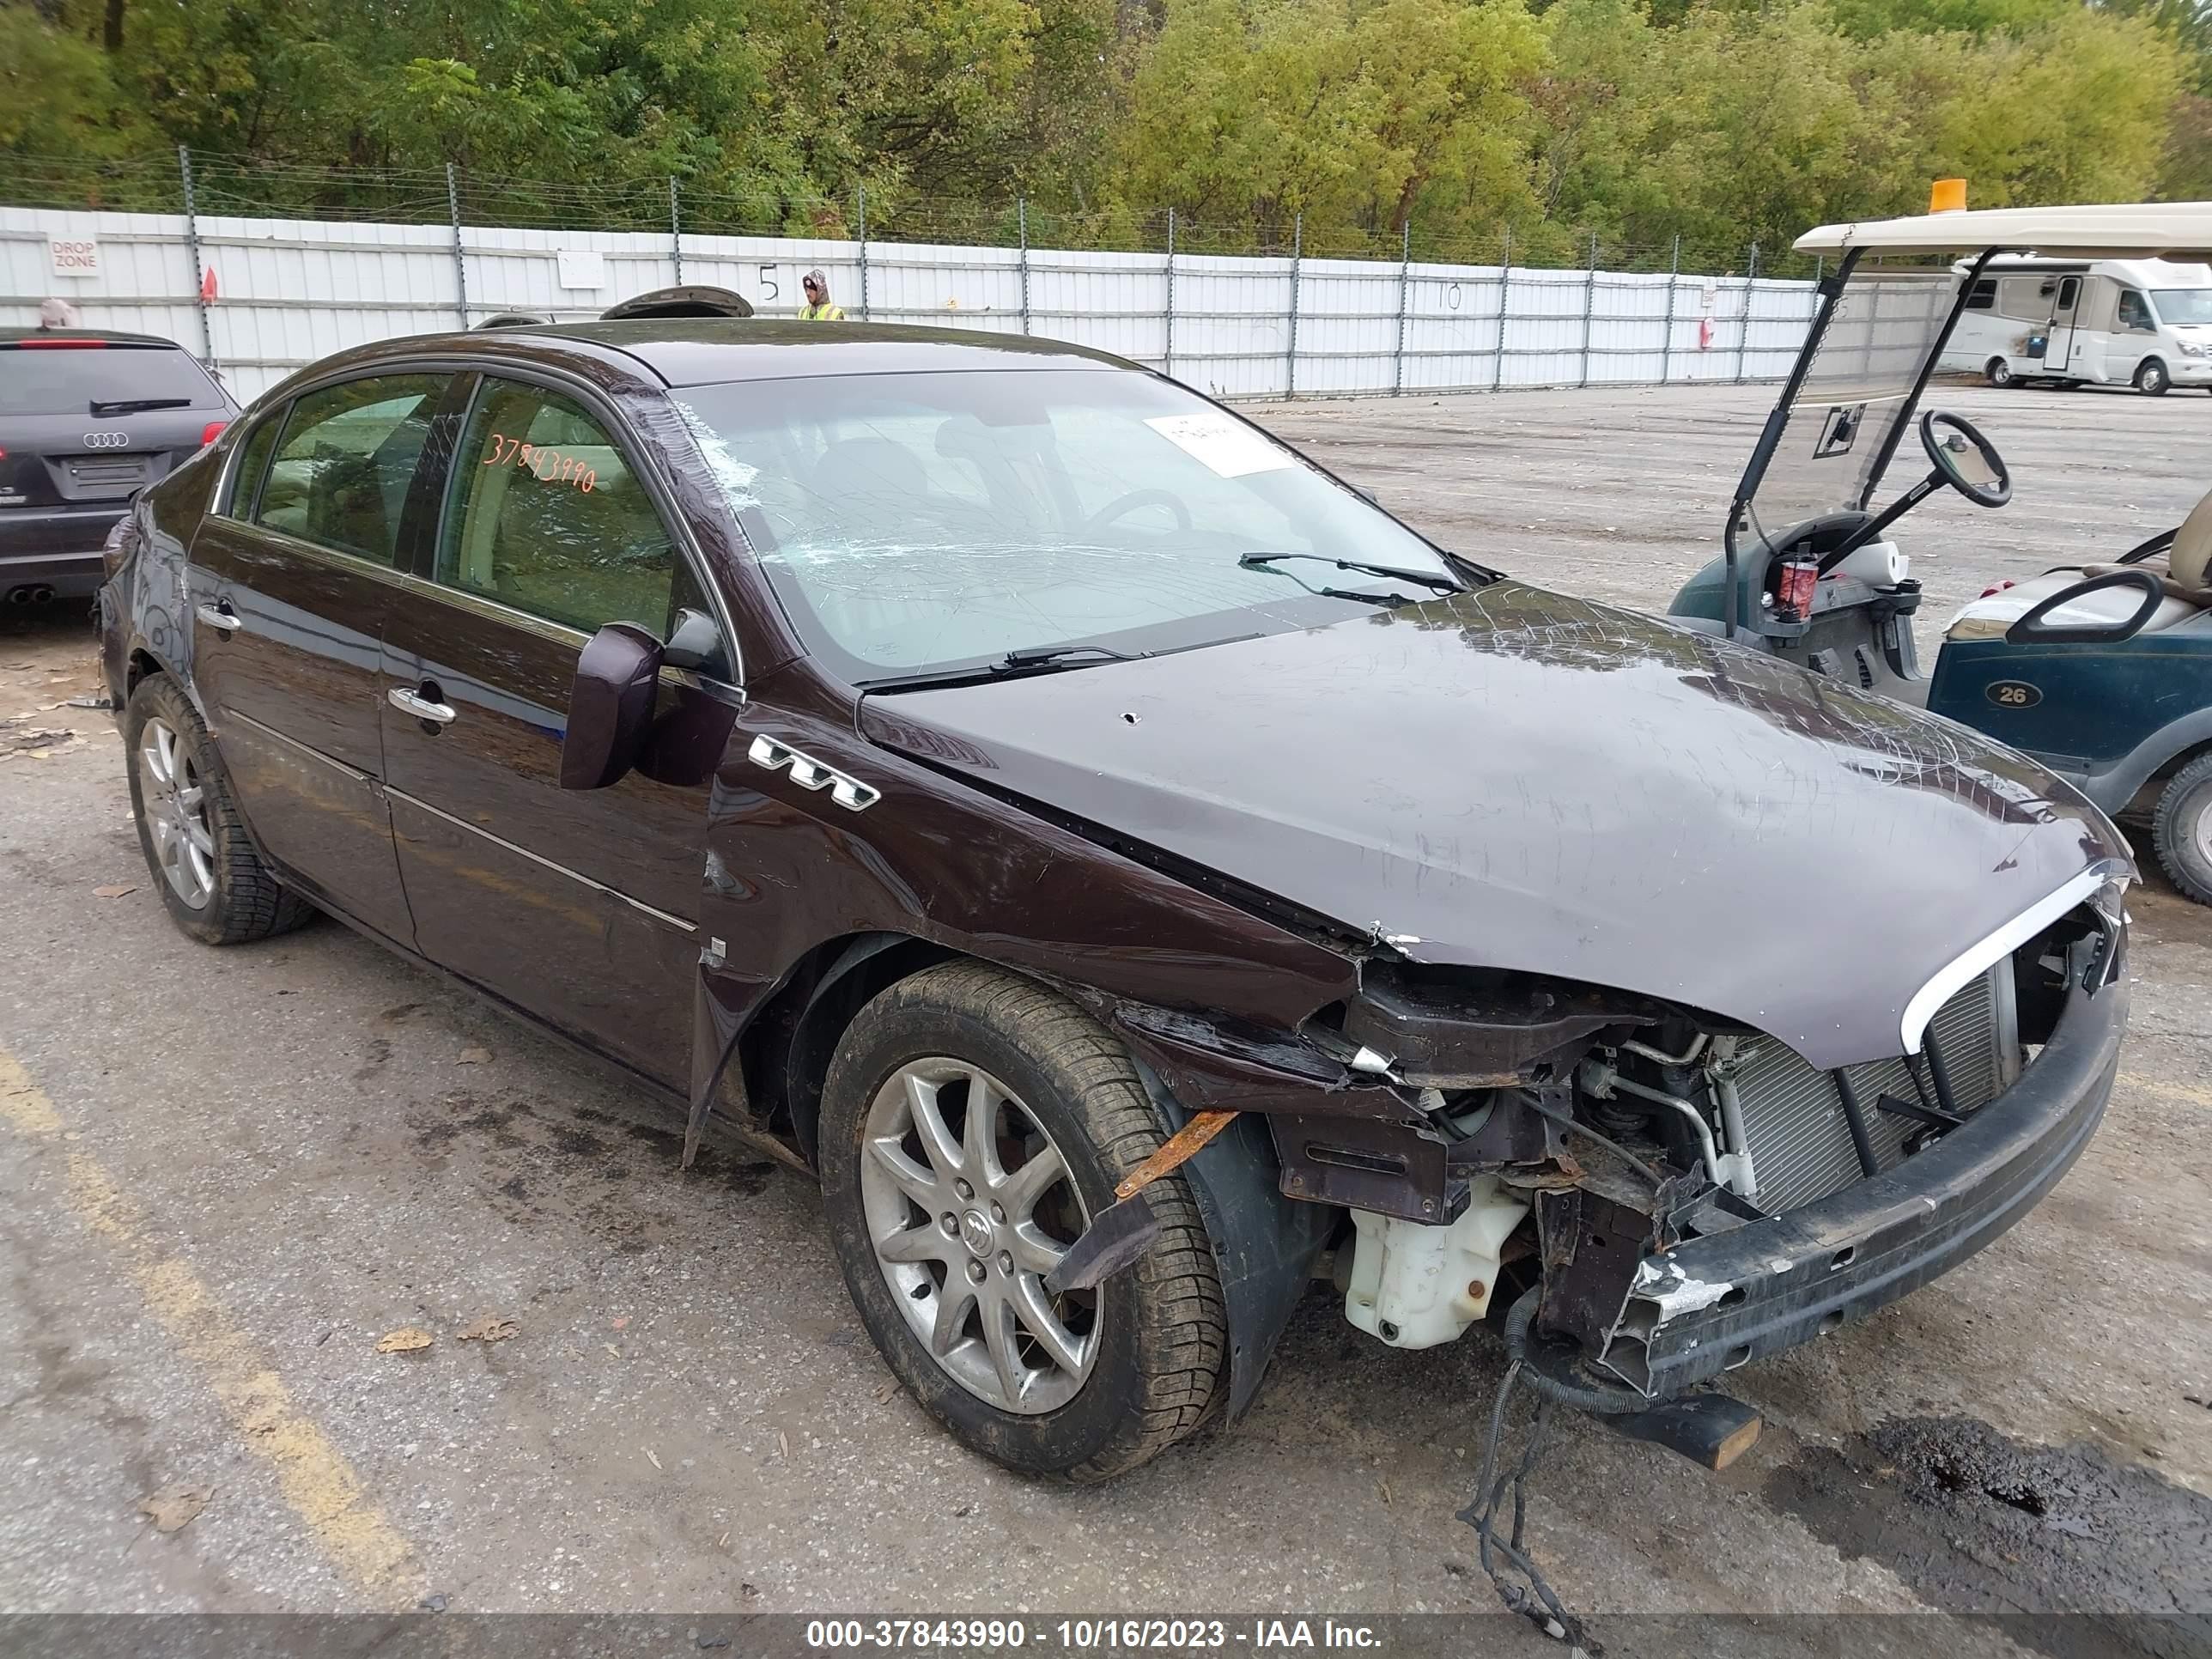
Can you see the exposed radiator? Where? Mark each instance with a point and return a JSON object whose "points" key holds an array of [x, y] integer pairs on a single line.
{"points": [[1793, 1118]]}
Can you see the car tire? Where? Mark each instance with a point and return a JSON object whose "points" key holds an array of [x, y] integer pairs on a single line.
{"points": [[203, 864], [1998, 372], [2151, 378], [2182, 829], [1149, 1346]]}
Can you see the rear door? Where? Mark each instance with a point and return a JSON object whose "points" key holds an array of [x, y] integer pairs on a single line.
{"points": [[289, 586], [578, 907], [2065, 305]]}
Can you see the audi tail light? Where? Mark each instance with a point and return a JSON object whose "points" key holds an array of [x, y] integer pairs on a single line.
{"points": [[212, 431]]}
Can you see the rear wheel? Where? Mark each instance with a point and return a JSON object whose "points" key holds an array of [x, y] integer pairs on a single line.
{"points": [[973, 1123], [213, 882], [1998, 372], [2182, 830], [2151, 378]]}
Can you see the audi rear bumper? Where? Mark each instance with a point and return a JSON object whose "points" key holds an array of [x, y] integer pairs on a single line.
{"points": [[55, 548]]}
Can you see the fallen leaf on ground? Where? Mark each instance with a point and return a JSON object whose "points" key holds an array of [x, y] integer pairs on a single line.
{"points": [[112, 892], [883, 1394], [649, 1457], [621, 1322], [475, 1056], [782, 1443], [611, 1349], [405, 1340], [174, 1506], [490, 1328]]}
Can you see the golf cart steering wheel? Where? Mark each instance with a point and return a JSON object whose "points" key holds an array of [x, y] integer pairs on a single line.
{"points": [[1121, 506], [1965, 459]]}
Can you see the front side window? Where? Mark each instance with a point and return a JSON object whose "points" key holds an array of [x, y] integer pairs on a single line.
{"points": [[918, 522], [545, 516], [345, 461], [2134, 313]]}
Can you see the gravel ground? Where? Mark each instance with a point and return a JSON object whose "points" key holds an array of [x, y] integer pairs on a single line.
{"points": [[225, 1175]]}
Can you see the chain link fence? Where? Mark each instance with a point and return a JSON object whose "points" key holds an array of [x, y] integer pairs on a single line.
{"points": [[308, 259]]}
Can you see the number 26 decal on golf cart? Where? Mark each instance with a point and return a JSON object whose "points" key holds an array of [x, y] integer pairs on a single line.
{"points": [[2013, 694]]}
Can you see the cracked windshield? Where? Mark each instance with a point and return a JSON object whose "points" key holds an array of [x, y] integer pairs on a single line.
{"points": [[917, 523]]}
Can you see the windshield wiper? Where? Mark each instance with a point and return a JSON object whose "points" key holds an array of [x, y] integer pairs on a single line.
{"points": [[1030, 659], [1036, 656], [1430, 579], [137, 406]]}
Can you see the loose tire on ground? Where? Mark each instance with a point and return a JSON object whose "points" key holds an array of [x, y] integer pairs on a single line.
{"points": [[1158, 1359], [226, 896], [2182, 830]]}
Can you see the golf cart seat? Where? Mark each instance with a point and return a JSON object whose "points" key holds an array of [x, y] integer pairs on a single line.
{"points": [[2185, 578]]}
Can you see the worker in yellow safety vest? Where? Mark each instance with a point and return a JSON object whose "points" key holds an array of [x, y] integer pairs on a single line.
{"points": [[818, 308]]}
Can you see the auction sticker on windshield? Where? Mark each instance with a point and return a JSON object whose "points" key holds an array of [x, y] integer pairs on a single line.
{"points": [[1221, 442]]}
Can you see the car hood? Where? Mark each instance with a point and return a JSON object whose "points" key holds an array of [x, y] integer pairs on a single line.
{"points": [[1508, 778]]}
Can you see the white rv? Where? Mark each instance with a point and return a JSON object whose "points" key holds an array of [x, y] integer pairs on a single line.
{"points": [[2144, 323]]}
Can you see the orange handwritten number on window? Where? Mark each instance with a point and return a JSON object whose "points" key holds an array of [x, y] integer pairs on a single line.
{"points": [[546, 465]]}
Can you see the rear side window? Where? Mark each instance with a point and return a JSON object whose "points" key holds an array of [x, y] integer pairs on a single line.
{"points": [[1982, 296], [246, 482], [546, 517], [63, 377], [345, 460]]}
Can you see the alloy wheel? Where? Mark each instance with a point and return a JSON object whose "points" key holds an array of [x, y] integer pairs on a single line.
{"points": [[968, 1206], [174, 802]]}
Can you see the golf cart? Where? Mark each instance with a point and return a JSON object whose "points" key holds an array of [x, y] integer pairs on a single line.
{"points": [[2101, 671]]}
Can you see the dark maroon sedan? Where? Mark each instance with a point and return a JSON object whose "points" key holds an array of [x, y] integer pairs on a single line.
{"points": [[977, 771]]}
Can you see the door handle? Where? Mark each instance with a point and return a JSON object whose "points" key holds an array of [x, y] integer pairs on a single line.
{"points": [[407, 703], [219, 616]]}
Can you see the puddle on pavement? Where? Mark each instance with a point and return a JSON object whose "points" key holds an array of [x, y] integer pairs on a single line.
{"points": [[1974, 1522]]}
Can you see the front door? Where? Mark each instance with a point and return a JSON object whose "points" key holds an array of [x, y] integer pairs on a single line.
{"points": [[288, 588], [576, 905]]}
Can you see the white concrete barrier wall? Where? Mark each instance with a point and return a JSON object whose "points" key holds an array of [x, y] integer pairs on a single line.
{"points": [[289, 292]]}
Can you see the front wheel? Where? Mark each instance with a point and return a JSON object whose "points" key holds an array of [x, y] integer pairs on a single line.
{"points": [[2182, 829], [2151, 378], [1998, 372], [973, 1124]]}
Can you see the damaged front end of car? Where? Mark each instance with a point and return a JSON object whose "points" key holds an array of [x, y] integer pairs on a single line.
{"points": [[1682, 1194]]}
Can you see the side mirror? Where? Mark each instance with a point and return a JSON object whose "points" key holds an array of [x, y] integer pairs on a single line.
{"points": [[609, 705]]}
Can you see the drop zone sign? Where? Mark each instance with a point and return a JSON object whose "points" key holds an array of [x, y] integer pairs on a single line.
{"points": [[74, 256]]}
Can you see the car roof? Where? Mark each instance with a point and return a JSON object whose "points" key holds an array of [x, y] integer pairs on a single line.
{"points": [[706, 351], [110, 336]]}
